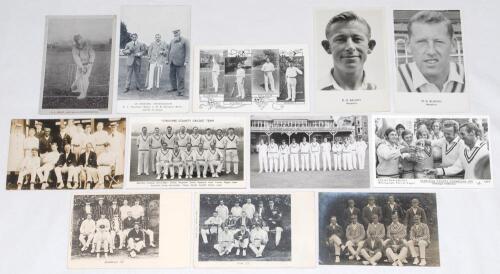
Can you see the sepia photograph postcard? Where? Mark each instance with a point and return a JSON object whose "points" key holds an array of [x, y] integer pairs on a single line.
{"points": [[154, 59], [188, 152], [254, 230], [77, 73], [131, 230], [351, 54], [328, 151], [429, 62], [251, 78], [73, 153], [378, 229], [431, 151]]}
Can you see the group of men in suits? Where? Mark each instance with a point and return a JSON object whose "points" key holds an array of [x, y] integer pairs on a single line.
{"points": [[243, 227], [102, 223], [389, 231], [80, 154], [159, 53]]}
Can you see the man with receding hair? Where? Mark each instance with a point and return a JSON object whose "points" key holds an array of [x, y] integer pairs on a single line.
{"points": [[431, 43], [470, 154], [349, 41]]}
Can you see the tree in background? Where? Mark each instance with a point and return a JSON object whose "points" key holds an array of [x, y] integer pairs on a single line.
{"points": [[124, 35]]}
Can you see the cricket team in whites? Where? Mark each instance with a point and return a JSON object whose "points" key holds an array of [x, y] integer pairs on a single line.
{"points": [[102, 223], [389, 231], [187, 154], [87, 158], [340, 154], [243, 227]]}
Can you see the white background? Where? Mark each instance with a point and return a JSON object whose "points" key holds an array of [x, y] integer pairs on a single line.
{"points": [[34, 226]]}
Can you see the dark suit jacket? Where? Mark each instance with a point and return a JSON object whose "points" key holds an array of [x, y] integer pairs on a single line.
{"points": [[136, 235], [248, 222], [128, 223], [347, 215], [44, 144], [139, 49], [62, 141], [387, 211], [367, 215], [98, 210], [178, 52], [377, 245], [92, 162], [69, 161], [409, 216]]}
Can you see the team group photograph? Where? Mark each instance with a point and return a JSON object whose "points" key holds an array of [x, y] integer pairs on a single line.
{"points": [[115, 227], [432, 148], [309, 152], [165, 150], [389, 229], [244, 227], [66, 154]]}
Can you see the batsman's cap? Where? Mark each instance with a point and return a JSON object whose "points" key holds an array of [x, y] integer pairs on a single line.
{"points": [[106, 144], [100, 198], [137, 223], [113, 124], [47, 129], [38, 123], [175, 31]]}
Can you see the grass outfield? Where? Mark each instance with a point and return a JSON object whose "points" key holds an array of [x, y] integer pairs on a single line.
{"points": [[58, 80], [153, 94], [152, 177], [308, 179]]}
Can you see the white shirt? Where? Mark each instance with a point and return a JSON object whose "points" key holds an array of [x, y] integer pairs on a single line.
{"points": [[284, 150], [305, 147], [232, 141], [294, 148], [100, 137], [31, 142], [449, 151], [262, 149], [249, 209], [143, 142], [107, 158], [240, 73], [137, 211], [315, 147], [360, 146], [87, 227], [326, 147], [51, 158], [124, 209], [268, 67], [222, 211], [273, 148], [365, 84], [236, 211], [292, 72]]}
